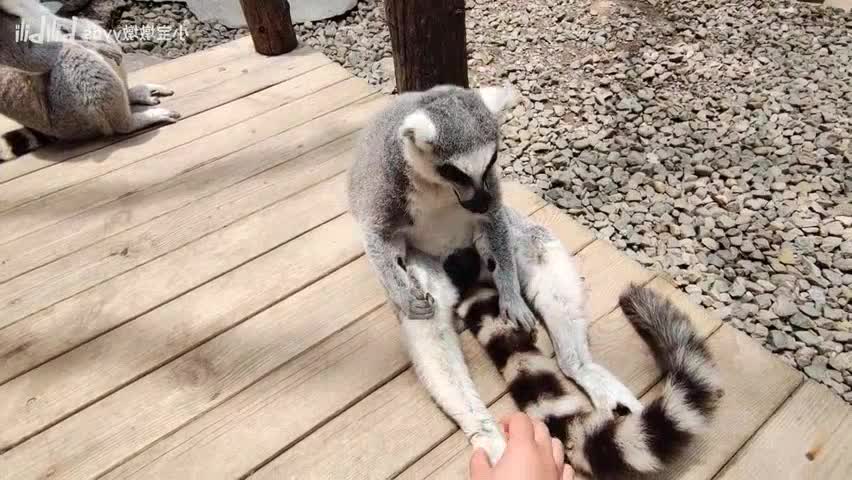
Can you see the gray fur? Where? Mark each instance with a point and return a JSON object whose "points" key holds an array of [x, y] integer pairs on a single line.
{"points": [[68, 88]]}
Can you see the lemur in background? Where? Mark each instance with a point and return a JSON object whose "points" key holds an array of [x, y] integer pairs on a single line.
{"points": [[64, 87], [599, 444], [424, 186]]}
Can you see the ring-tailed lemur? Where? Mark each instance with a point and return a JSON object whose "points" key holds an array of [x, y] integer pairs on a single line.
{"points": [[424, 186], [65, 87], [598, 443]]}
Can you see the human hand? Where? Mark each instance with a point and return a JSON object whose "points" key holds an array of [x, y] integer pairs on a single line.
{"points": [[530, 454]]}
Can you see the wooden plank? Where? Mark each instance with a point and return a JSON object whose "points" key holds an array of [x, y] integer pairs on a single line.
{"points": [[71, 381], [614, 343], [164, 194], [378, 436], [277, 411], [573, 235], [193, 62], [756, 384], [98, 438], [71, 274], [450, 459], [807, 438], [214, 76], [605, 268], [62, 175], [255, 415], [56, 330]]}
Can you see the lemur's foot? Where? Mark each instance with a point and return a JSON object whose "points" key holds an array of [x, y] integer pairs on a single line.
{"points": [[514, 309], [490, 441], [163, 115], [148, 94], [606, 392]]}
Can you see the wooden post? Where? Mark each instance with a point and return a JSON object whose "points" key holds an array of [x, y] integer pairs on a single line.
{"points": [[270, 25], [429, 43]]}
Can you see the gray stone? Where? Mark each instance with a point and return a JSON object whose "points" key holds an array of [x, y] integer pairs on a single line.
{"points": [[809, 338], [817, 372], [804, 356], [784, 307], [780, 341], [841, 361]]}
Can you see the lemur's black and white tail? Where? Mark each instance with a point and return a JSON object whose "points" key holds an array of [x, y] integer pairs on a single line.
{"points": [[19, 142], [600, 444]]}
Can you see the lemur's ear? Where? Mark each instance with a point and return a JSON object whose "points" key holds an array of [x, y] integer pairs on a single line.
{"points": [[418, 129], [498, 99]]}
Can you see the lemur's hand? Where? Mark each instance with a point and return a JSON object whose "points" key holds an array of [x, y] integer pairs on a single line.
{"points": [[420, 305], [514, 308]]}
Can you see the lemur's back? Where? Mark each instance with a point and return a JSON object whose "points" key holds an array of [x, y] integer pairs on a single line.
{"points": [[377, 178]]}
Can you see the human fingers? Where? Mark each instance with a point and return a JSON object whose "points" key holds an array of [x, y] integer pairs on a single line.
{"points": [[520, 428], [558, 453], [542, 435], [480, 468], [568, 473]]}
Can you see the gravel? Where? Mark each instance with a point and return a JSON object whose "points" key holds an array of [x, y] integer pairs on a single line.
{"points": [[709, 139], [161, 30]]}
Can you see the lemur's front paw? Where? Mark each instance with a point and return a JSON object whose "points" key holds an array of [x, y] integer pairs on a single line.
{"points": [[515, 309], [492, 442]]}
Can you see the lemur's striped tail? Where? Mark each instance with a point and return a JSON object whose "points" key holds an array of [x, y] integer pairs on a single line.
{"points": [[599, 444], [18, 142]]}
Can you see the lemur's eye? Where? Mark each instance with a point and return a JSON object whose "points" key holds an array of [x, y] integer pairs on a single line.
{"points": [[453, 174], [488, 169]]}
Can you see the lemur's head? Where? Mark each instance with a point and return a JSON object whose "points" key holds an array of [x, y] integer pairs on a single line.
{"points": [[452, 139]]}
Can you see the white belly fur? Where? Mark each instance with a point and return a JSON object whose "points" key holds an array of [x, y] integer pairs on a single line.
{"points": [[443, 228]]}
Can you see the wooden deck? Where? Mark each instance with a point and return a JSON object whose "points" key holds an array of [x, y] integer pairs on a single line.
{"points": [[193, 303]]}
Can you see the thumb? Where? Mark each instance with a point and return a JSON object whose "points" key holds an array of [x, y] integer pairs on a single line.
{"points": [[480, 468]]}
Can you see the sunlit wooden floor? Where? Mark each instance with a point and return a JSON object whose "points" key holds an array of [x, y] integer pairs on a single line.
{"points": [[193, 303]]}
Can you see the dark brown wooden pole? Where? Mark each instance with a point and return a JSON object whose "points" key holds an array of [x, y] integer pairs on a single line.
{"points": [[429, 43], [270, 25]]}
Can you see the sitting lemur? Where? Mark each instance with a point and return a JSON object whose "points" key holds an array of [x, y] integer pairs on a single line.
{"points": [[66, 82], [424, 186]]}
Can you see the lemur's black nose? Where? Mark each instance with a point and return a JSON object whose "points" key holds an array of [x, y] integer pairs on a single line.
{"points": [[479, 203]]}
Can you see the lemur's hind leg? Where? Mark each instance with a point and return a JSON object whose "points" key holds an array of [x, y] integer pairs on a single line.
{"points": [[148, 94], [436, 354], [553, 287]]}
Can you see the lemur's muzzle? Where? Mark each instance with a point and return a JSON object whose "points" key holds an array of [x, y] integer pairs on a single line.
{"points": [[480, 202]]}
